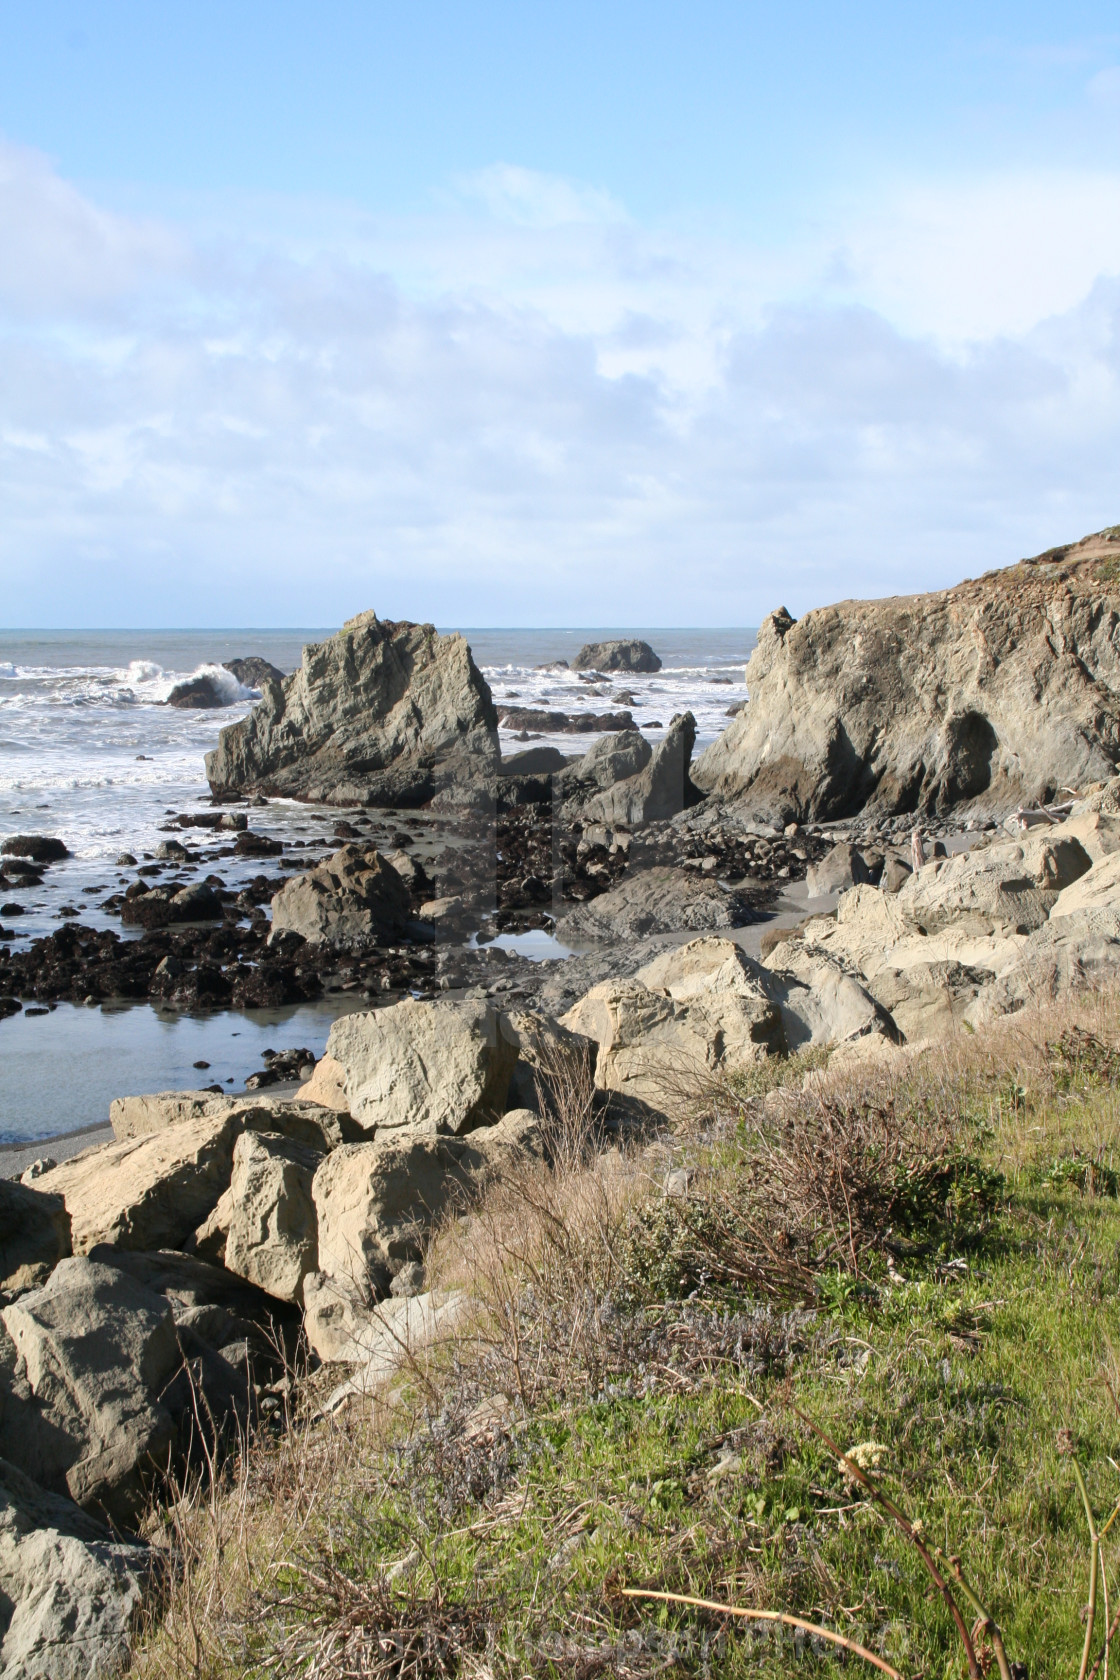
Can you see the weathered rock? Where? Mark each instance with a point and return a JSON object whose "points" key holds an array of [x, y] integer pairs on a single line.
{"points": [[381, 713], [424, 1067], [849, 712], [563, 723], [300, 1118], [548, 1056], [253, 672], [70, 1590], [927, 1001], [80, 1362], [624, 654], [271, 1238], [379, 1339], [896, 872], [352, 900], [1074, 953], [870, 932], [41, 848], [662, 789], [1098, 832], [613, 759], [201, 694], [375, 1201], [327, 1086], [660, 900], [655, 1048], [820, 1004], [34, 1234], [148, 1192], [1008, 887], [1098, 888], [535, 761], [410, 870], [734, 992], [844, 867]]}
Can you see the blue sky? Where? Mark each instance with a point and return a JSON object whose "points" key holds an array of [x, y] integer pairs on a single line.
{"points": [[556, 314]]}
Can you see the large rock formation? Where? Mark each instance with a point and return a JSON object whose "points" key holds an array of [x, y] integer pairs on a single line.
{"points": [[381, 713], [1002, 691], [625, 654]]}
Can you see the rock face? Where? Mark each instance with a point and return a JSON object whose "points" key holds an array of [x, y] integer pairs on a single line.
{"points": [[69, 1590], [381, 713], [34, 1234], [352, 900], [621, 655], [424, 1068], [660, 900], [613, 759], [999, 692]]}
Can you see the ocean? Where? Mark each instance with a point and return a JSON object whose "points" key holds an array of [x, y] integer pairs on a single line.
{"points": [[89, 752]]}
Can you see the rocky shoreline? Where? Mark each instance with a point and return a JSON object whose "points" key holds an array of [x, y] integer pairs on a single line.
{"points": [[720, 914]]}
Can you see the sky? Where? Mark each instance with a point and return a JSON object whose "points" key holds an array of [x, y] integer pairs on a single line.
{"points": [[549, 314]]}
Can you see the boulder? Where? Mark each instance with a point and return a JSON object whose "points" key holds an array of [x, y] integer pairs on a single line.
{"points": [[843, 867], [656, 1048], [896, 872], [1008, 887], [271, 1237], [380, 713], [547, 1055], [34, 1234], [352, 900], [1076, 952], [1098, 832], [424, 1067], [869, 932], [613, 759], [327, 1086], [377, 1340], [253, 672], [1098, 888], [563, 723], [662, 790], [70, 1590], [148, 1192], [997, 693], [40, 848], [733, 990], [82, 1363], [928, 1001], [214, 1306], [300, 1118], [820, 1003], [659, 900], [535, 761], [623, 654], [375, 1201]]}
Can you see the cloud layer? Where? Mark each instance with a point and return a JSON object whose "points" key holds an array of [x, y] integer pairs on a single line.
{"points": [[524, 408]]}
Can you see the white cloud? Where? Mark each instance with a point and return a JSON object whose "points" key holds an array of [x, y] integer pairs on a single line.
{"points": [[528, 198], [549, 419]]}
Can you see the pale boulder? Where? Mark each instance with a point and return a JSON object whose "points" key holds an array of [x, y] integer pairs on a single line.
{"points": [[327, 1086], [271, 1238], [82, 1361], [424, 1068], [928, 1001], [1075, 952], [377, 1340], [304, 1120], [731, 987], [375, 1201], [1097, 889], [148, 1192], [1009, 887], [820, 1003]]}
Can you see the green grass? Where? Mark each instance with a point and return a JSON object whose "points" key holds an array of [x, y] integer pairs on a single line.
{"points": [[483, 1531]]}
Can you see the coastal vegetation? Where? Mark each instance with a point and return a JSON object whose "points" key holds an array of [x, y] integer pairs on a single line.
{"points": [[696, 1368]]}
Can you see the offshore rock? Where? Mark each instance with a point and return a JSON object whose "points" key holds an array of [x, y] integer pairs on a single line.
{"points": [[381, 713], [999, 692], [627, 654]]}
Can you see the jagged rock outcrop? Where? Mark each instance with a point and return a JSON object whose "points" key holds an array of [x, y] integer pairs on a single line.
{"points": [[655, 790], [1001, 691], [381, 713]]}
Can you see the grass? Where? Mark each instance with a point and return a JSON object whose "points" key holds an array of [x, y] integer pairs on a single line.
{"points": [[923, 1270]]}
